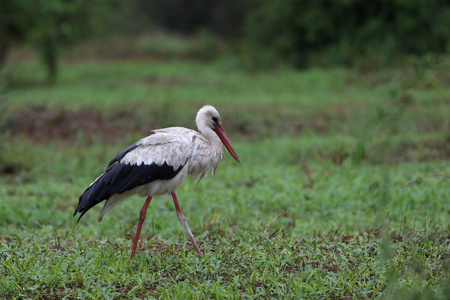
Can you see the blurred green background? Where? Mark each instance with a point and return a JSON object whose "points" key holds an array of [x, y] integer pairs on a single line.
{"points": [[263, 34]]}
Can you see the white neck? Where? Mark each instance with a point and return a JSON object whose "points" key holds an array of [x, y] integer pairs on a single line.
{"points": [[209, 134]]}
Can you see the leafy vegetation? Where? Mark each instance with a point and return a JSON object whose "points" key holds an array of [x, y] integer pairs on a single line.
{"points": [[305, 33], [48, 25], [342, 191], [262, 34]]}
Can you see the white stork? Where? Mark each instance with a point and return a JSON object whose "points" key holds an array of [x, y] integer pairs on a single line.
{"points": [[158, 164]]}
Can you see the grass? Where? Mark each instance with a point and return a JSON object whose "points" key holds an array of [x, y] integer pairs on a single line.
{"points": [[355, 162], [238, 265]]}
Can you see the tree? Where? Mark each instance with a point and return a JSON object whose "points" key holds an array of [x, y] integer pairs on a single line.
{"points": [[48, 24]]}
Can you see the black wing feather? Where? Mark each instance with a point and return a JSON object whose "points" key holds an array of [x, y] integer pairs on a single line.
{"points": [[120, 177], [122, 154]]}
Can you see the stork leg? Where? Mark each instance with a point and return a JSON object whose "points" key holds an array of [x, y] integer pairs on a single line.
{"points": [[183, 221], [142, 216]]}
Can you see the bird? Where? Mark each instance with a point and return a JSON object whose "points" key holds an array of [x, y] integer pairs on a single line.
{"points": [[157, 164]]}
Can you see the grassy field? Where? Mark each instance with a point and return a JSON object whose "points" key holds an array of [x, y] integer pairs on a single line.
{"points": [[342, 191]]}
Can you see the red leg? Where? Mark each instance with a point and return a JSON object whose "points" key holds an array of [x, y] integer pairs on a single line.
{"points": [[183, 221], [142, 216]]}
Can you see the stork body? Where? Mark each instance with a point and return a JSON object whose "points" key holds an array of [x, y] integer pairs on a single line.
{"points": [[157, 164]]}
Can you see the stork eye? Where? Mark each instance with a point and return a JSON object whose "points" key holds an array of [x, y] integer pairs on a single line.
{"points": [[215, 120]]}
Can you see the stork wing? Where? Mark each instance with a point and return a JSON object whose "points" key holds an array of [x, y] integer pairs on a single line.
{"points": [[171, 145], [160, 156]]}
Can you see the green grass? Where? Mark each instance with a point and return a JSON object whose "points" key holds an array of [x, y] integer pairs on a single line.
{"points": [[356, 161], [235, 265]]}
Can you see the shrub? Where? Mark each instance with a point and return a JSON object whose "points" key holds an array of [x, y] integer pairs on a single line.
{"points": [[343, 31]]}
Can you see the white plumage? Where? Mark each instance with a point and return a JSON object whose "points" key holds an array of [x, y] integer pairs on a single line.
{"points": [[158, 164]]}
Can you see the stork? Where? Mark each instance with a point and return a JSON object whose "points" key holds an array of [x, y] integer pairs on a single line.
{"points": [[157, 164]]}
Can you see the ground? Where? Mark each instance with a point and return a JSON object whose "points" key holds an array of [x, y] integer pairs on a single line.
{"points": [[342, 191]]}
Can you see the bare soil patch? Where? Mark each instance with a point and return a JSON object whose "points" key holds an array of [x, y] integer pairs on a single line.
{"points": [[41, 124]]}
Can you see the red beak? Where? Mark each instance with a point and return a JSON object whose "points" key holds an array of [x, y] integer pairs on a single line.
{"points": [[226, 141]]}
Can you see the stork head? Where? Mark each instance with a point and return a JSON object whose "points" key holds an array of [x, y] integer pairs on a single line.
{"points": [[209, 118]]}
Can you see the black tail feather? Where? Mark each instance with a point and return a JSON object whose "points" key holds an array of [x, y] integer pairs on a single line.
{"points": [[92, 196], [97, 191]]}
